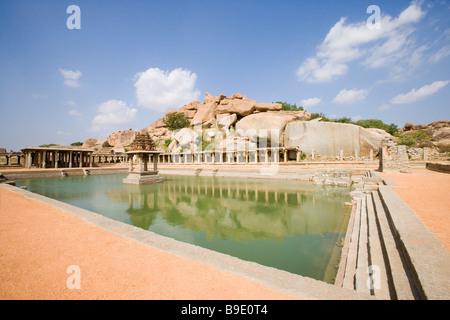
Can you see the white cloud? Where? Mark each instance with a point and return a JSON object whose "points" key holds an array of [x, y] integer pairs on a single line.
{"points": [[384, 106], [415, 95], [71, 78], [441, 54], [350, 96], [347, 42], [306, 103], [75, 113], [159, 90], [111, 114]]}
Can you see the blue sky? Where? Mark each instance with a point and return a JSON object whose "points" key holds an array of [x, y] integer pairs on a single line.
{"points": [[133, 60]]}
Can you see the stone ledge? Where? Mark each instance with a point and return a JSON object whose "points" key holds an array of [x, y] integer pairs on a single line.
{"points": [[428, 259]]}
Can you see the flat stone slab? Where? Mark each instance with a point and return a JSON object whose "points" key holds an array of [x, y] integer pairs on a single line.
{"points": [[143, 177]]}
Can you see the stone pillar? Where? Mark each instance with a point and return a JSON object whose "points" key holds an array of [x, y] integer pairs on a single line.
{"points": [[145, 159], [312, 154], [81, 160], [44, 154], [299, 153], [266, 154], [155, 163], [256, 156], [285, 154], [426, 153], [70, 159], [341, 155], [130, 168], [371, 155], [56, 159], [356, 155]]}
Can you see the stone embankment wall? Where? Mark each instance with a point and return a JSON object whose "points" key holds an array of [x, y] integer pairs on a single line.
{"points": [[440, 167]]}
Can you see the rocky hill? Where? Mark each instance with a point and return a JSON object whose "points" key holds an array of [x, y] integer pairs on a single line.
{"points": [[236, 122]]}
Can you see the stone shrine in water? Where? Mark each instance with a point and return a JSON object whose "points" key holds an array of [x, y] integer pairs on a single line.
{"points": [[143, 150]]}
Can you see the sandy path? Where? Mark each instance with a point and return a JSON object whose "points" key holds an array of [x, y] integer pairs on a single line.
{"points": [[40, 242], [428, 194]]}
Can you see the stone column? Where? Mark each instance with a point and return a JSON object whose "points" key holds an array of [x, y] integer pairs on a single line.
{"points": [[285, 153], [298, 155], [426, 153], [341, 155], [155, 163], [266, 151], [56, 159], [130, 167], [44, 154], [70, 159], [81, 160], [371, 155], [312, 154]]}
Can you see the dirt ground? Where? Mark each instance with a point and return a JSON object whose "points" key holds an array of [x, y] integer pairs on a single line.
{"points": [[428, 194]]}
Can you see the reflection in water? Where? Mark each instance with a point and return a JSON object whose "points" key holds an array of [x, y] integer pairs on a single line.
{"points": [[290, 225]]}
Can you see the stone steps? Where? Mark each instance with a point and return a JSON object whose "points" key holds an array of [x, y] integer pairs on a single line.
{"points": [[371, 260]]}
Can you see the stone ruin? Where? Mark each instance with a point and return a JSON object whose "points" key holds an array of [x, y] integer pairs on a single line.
{"points": [[393, 157], [142, 142]]}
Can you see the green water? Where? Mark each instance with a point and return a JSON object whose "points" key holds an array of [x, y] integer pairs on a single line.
{"points": [[288, 225]]}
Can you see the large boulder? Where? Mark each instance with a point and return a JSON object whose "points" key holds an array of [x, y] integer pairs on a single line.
{"points": [[185, 136], [262, 127], [205, 113], [89, 143], [190, 109], [329, 138], [227, 121], [408, 126], [263, 107], [242, 107], [121, 138]]}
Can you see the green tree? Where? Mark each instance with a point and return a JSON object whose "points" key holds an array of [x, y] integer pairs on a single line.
{"points": [[76, 144], [374, 123], [175, 121], [319, 115]]}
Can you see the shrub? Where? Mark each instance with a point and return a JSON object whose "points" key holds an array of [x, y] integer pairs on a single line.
{"points": [[167, 142], [48, 145], [175, 121], [291, 107], [415, 138], [76, 144]]}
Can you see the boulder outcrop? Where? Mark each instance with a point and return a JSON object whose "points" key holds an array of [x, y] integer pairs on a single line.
{"points": [[121, 138], [262, 127], [329, 138]]}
